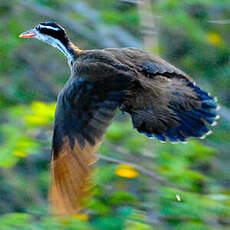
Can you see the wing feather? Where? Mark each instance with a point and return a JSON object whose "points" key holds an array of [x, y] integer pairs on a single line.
{"points": [[70, 177], [167, 104], [85, 108]]}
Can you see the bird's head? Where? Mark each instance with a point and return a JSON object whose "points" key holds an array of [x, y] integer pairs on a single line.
{"points": [[53, 34], [49, 32]]}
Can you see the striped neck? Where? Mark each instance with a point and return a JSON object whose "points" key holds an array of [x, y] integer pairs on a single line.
{"points": [[67, 48]]}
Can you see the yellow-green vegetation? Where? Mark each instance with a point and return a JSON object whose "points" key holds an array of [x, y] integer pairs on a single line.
{"points": [[140, 183]]}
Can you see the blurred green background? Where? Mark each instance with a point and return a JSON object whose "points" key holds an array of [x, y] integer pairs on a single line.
{"points": [[141, 183]]}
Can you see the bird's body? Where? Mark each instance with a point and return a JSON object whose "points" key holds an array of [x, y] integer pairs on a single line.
{"points": [[162, 101]]}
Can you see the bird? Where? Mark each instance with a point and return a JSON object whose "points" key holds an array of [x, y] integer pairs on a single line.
{"points": [[163, 102]]}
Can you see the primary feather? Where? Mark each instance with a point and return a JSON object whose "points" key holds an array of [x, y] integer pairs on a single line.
{"points": [[163, 102]]}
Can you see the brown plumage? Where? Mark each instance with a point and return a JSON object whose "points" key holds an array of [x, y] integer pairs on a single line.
{"points": [[70, 177], [163, 102]]}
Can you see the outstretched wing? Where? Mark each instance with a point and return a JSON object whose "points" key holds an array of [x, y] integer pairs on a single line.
{"points": [[169, 105], [85, 108]]}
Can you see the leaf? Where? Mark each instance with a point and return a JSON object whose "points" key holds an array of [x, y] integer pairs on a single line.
{"points": [[119, 197]]}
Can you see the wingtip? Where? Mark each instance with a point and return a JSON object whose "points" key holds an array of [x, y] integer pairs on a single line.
{"points": [[206, 134]]}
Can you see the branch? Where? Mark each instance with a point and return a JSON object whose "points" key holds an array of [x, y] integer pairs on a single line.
{"points": [[105, 36], [131, 1], [225, 114], [112, 35], [223, 21], [95, 20], [53, 14], [125, 38], [142, 170], [148, 24]]}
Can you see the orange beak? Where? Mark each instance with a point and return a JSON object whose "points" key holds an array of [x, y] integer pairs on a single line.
{"points": [[28, 34]]}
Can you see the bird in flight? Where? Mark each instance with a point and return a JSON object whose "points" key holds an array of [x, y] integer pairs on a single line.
{"points": [[163, 102]]}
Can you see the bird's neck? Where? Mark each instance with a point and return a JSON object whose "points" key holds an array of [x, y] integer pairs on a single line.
{"points": [[70, 50]]}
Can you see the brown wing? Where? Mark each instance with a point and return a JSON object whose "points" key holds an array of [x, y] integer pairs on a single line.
{"points": [[145, 63], [167, 104], [70, 177], [85, 108]]}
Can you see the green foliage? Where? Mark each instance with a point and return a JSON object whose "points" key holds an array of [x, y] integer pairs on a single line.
{"points": [[15, 221], [193, 189]]}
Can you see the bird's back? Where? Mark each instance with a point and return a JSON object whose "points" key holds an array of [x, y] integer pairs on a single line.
{"points": [[163, 101]]}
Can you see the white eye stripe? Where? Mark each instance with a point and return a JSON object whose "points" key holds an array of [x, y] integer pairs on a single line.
{"points": [[49, 27]]}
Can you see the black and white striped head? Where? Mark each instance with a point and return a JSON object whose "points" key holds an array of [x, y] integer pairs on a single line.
{"points": [[51, 33]]}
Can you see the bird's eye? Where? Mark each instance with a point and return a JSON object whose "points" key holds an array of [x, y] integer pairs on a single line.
{"points": [[38, 27]]}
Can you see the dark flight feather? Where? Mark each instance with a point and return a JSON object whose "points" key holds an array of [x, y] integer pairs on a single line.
{"points": [[85, 109], [163, 102], [167, 104]]}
